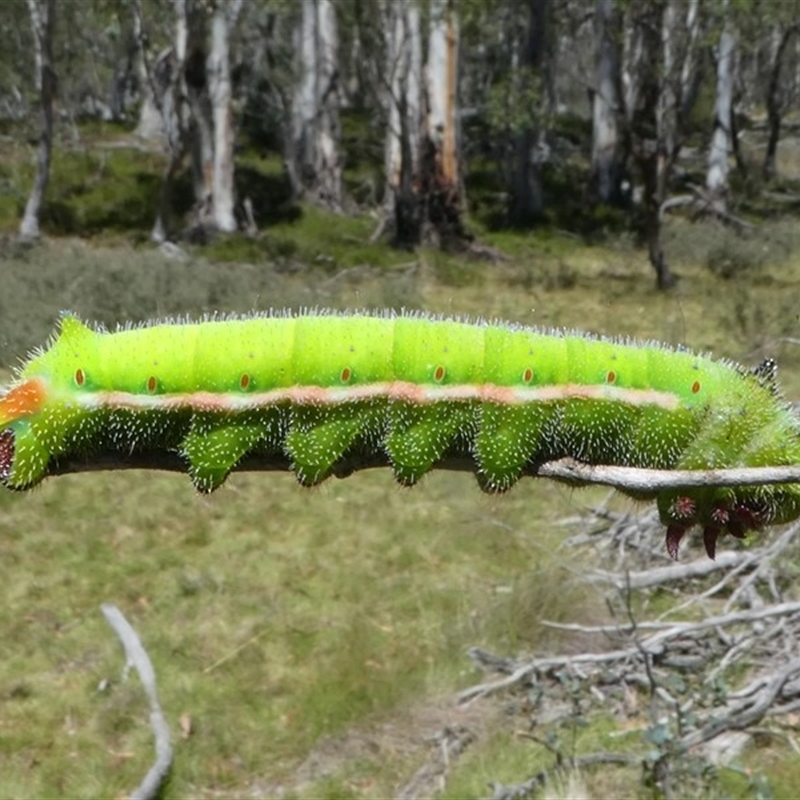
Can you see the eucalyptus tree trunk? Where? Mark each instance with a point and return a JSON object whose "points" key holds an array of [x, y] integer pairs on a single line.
{"points": [[775, 101], [717, 175], [190, 85], [170, 95], [668, 103], [651, 113], [527, 204], [632, 57], [666, 111], [441, 175], [690, 71], [218, 69], [606, 172], [42, 14], [315, 168], [403, 85], [423, 188], [200, 126], [151, 124]]}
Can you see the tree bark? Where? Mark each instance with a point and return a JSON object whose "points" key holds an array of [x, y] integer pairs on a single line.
{"points": [[404, 112], [441, 176], [690, 72], [653, 123], [173, 106], [151, 124], [42, 14], [223, 20], [775, 103], [316, 129], [717, 176], [527, 203], [606, 174]]}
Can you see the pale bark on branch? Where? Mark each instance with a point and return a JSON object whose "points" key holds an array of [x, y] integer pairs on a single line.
{"points": [[641, 482], [136, 656]]}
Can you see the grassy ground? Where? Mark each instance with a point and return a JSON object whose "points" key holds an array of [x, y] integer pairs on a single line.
{"points": [[306, 642], [307, 638]]}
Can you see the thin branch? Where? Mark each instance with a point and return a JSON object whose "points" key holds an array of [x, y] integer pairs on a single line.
{"points": [[642, 482], [654, 644], [136, 656], [648, 481], [658, 576]]}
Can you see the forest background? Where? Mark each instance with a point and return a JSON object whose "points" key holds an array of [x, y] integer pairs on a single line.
{"points": [[625, 167]]}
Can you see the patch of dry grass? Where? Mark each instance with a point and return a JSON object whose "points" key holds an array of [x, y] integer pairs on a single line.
{"points": [[278, 618]]}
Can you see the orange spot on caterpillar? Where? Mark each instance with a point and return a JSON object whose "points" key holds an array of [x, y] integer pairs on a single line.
{"points": [[346, 375], [22, 401], [695, 387], [80, 377], [438, 374], [244, 382], [611, 376], [152, 384], [527, 376]]}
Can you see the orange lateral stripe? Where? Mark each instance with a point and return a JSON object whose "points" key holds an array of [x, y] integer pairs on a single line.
{"points": [[22, 401]]}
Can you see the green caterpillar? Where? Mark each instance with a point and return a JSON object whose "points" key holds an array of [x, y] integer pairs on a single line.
{"points": [[318, 388]]}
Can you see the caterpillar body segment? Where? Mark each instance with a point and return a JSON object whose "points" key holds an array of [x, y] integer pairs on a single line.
{"points": [[315, 388]]}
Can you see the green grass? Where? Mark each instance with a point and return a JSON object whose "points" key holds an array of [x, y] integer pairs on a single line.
{"points": [[286, 622], [273, 615], [313, 637]]}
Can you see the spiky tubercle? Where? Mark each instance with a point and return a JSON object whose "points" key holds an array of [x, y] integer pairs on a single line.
{"points": [[317, 387]]}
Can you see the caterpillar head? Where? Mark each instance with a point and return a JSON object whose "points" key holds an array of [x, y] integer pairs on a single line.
{"points": [[718, 511]]}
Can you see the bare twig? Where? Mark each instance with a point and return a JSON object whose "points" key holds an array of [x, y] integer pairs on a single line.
{"points": [[136, 656], [686, 667], [653, 645], [642, 482], [659, 576], [647, 481]]}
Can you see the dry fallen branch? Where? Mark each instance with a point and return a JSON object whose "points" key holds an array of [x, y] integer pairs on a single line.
{"points": [[684, 666], [431, 777], [654, 645], [136, 656], [523, 790], [659, 576]]}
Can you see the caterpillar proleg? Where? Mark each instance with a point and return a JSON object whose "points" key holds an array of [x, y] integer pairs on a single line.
{"points": [[317, 388]]}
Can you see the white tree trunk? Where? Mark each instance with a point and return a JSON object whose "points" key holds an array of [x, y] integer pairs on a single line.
{"points": [[42, 14], [317, 167], [606, 172], [403, 97], [304, 109], [689, 67], [667, 106], [717, 177], [219, 86], [632, 55], [328, 165], [151, 124], [173, 105], [441, 80], [195, 81]]}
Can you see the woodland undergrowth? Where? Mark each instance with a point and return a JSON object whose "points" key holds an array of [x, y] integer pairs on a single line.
{"points": [[699, 671]]}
